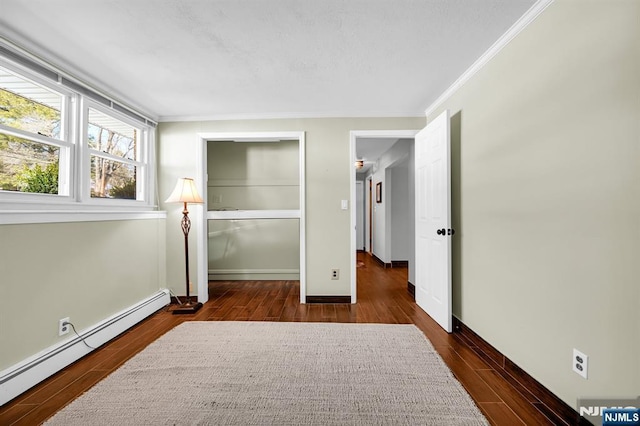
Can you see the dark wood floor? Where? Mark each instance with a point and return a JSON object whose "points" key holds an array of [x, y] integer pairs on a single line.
{"points": [[382, 298]]}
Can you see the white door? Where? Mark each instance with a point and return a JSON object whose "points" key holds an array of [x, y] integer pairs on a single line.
{"points": [[359, 215], [433, 220]]}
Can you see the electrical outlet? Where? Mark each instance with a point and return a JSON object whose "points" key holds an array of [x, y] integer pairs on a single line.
{"points": [[580, 363], [335, 274], [63, 326]]}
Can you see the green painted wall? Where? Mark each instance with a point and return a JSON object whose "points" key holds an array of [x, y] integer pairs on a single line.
{"points": [[253, 176], [546, 156], [327, 182], [86, 271]]}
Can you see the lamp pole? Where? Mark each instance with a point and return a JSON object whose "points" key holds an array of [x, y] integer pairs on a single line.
{"points": [[186, 226], [186, 192]]}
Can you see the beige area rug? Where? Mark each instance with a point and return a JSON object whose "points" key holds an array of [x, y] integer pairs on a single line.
{"points": [[262, 373]]}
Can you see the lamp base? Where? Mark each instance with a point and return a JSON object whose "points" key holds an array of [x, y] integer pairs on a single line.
{"points": [[187, 308]]}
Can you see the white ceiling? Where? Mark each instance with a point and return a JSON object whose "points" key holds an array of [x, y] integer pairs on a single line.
{"points": [[370, 149], [196, 59]]}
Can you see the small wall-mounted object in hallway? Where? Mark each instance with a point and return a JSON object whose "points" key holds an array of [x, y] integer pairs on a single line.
{"points": [[379, 192]]}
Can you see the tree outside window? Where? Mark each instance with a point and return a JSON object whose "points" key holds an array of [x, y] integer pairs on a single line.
{"points": [[114, 146], [25, 165], [40, 153]]}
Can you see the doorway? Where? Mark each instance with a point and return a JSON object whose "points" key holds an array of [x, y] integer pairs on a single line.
{"points": [[204, 214], [377, 197]]}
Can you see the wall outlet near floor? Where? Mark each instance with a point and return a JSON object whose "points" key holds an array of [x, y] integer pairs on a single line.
{"points": [[335, 274], [63, 326], [580, 363]]}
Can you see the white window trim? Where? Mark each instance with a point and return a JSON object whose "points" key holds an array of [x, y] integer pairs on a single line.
{"points": [[19, 217], [74, 201], [65, 143], [144, 162]]}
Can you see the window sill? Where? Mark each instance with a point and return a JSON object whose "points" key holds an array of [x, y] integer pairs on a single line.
{"points": [[15, 217]]}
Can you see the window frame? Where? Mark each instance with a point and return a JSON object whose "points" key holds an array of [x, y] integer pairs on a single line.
{"points": [[65, 143], [142, 164], [74, 182]]}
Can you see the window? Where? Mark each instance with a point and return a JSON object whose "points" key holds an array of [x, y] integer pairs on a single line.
{"points": [[64, 145], [32, 135], [115, 149]]}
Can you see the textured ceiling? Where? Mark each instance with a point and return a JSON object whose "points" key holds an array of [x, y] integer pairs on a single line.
{"points": [[258, 58], [370, 149]]}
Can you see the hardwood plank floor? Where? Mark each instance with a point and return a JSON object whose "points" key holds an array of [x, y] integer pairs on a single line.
{"points": [[382, 298]]}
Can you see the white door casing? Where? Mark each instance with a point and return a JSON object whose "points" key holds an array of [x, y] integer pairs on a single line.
{"points": [[368, 215], [353, 135], [433, 220], [202, 216]]}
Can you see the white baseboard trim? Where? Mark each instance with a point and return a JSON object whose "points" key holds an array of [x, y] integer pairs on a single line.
{"points": [[28, 373]]}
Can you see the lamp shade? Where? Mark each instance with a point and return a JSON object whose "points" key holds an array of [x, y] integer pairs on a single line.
{"points": [[185, 192]]}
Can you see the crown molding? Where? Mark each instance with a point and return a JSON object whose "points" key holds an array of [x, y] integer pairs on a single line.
{"points": [[288, 115], [500, 44]]}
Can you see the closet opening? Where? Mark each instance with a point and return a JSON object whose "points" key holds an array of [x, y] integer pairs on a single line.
{"points": [[253, 225]]}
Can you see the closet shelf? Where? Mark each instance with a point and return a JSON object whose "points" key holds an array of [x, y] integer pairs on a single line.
{"points": [[252, 214]]}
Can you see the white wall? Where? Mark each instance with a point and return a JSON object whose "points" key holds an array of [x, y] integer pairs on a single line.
{"points": [[548, 171], [382, 212], [379, 217], [401, 230]]}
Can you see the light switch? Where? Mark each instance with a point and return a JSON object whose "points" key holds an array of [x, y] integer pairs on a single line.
{"points": [[345, 204]]}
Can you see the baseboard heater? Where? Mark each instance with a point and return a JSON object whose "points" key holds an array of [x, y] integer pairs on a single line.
{"points": [[33, 370]]}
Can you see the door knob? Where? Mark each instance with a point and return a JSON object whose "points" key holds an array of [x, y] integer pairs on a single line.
{"points": [[451, 231], [441, 231]]}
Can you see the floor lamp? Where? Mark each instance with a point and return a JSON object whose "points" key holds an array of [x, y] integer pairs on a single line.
{"points": [[186, 192]]}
